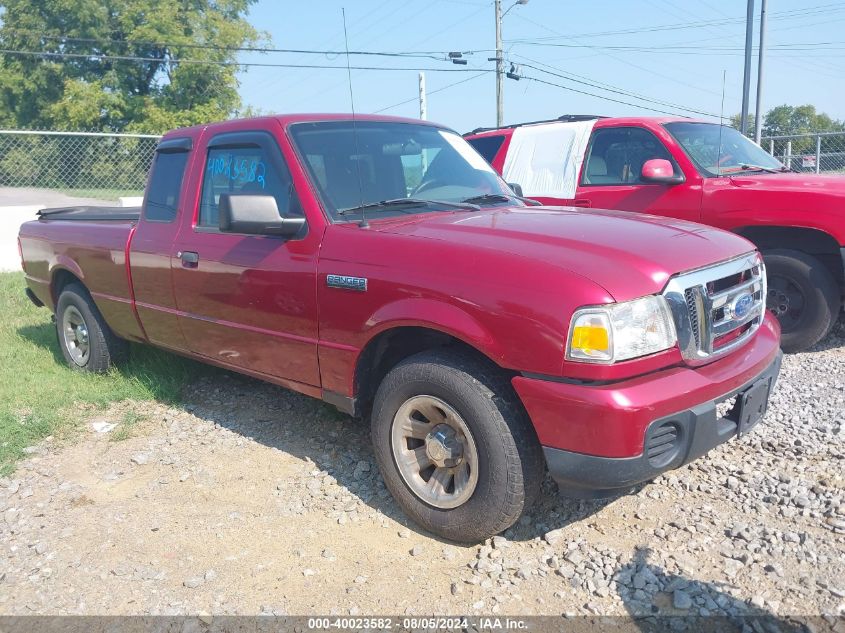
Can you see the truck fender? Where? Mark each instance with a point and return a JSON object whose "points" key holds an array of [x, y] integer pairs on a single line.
{"points": [[64, 264], [435, 315]]}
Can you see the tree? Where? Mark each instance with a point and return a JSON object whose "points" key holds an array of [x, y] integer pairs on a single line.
{"points": [[787, 120], [737, 119], [78, 84]]}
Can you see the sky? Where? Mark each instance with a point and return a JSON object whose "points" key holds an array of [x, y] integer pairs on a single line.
{"points": [[640, 57]]}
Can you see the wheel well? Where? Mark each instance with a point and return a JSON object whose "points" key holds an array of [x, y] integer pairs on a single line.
{"points": [[811, 241], [62, 278], [391, 347]]}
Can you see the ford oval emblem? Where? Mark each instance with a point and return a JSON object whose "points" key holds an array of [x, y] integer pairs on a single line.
{"points": [[742, 305]]}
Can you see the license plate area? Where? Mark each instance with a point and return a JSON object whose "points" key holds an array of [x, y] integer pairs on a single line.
{"points": [[750, 406]]}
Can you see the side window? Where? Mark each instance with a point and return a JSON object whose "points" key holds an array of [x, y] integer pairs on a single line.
{"points": [[244, 170], [616, 156], [487, 146], [162, 199]]}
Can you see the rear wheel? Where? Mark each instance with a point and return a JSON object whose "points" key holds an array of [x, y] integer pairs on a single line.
{"points": [[454, 446], [86, 341], [803, 295]]}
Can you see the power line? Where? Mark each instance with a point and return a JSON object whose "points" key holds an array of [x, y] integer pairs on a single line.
{"points": [[622, 59], [431, 92], [438, 55], [779, 15], [614, 90], [590, 94], [203, 62], [287, 85], [697, 50]]}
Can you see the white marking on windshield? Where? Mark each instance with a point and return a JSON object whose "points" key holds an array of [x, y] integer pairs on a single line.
{"points": [[465, 150]]}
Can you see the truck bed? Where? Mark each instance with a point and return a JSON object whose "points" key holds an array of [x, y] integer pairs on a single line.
{"points": [[90, 244]]}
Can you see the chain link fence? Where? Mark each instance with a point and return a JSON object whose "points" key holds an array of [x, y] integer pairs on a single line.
{"points": [[95, 164], [90, 164], [820, 153]]}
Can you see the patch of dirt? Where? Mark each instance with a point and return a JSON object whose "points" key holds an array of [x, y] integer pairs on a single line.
{"points": [[251, 499]]}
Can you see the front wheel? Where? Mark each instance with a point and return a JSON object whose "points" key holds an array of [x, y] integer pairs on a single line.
{"points": [[87, 342], [454, 446], [803, 295]]}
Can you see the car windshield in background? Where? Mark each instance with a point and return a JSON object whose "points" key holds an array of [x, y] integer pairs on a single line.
{"points": [[718, 150], [379, 164]]}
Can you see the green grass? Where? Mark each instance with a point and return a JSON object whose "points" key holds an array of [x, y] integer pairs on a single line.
{"points": [[124, 429], [40, 395], [102, 194]]}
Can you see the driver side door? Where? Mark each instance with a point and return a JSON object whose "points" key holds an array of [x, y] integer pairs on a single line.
{"points": [[248, 301], [610, 177]]}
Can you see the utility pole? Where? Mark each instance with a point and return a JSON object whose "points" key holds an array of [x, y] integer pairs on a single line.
{"points": [[500, 97], [423, 112], [761, 53], [746, 80]]}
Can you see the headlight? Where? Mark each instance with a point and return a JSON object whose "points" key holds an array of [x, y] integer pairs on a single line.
{"points": [[621, 331]]}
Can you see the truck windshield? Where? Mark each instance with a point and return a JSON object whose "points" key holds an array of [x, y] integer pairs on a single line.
{"points": [[378, 164], [718, 150]]}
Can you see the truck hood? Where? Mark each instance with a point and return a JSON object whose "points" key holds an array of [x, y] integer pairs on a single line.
{"points": [[803, 184], [629, 254], [787, 199]]}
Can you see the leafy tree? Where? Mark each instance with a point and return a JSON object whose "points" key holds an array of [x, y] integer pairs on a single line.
{"points": [[72, 87], [737, 119], [786, 119], [795, 121]]}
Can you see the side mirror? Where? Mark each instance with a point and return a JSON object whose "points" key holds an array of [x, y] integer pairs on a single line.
{"points": [[661, 171], [516, 188], [255, 215]]}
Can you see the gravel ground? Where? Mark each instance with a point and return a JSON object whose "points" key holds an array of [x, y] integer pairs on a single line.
{"points": [[253, 500]]}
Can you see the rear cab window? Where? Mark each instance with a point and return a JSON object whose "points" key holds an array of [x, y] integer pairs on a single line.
{"points": [[488, 146], [167, 172]]}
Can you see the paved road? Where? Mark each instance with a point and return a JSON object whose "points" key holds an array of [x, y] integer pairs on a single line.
{"points": [[18, 206], [15, 196]]}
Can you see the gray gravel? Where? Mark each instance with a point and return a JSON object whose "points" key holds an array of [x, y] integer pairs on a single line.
{"points": [[252, 499]]}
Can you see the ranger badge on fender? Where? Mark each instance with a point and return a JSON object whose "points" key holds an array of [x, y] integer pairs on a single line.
{"points": [[347, 283]]}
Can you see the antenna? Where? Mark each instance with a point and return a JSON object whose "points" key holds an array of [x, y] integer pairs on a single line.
{"points": [[721, 124], [363, 223]]}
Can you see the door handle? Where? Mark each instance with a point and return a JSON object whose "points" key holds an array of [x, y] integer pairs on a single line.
{"points": [[581, 202], [190, 259]]}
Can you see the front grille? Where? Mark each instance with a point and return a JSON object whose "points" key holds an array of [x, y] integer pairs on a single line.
{"points": [[692, 309], [717, 309]]}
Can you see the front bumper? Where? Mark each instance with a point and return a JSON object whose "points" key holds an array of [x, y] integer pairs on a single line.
{"points": [[597, 438], [695, 431]]}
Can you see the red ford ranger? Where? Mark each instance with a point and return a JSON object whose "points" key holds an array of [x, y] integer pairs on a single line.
{"points": [[382, 265], [696, 171]]}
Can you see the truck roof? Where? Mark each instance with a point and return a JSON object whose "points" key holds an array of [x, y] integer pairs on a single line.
{"points": [[287, 119], [600, 121]]}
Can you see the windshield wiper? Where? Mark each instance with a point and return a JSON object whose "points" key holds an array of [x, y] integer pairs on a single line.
{"points": [[749, 167], [407, 202], [499, 197]]}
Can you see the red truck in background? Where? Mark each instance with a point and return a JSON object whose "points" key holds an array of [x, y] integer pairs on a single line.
{"points": [[691, 170], [382, 265]]}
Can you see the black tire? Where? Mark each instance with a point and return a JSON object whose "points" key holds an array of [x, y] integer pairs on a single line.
{"points": [[104, 347], [509, 457], [803, 295]]}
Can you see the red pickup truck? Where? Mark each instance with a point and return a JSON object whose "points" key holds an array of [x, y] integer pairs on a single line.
{"points": [[382, 265], [696, 171]]}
